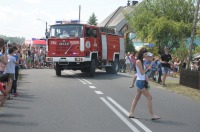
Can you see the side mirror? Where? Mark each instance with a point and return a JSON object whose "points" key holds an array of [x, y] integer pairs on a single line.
{"points": [[47, 34]]}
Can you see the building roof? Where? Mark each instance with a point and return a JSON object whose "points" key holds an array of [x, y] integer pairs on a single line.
{"points": [[117, 18]]}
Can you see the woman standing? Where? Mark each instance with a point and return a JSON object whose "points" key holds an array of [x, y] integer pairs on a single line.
{"points": [[141, 69]]}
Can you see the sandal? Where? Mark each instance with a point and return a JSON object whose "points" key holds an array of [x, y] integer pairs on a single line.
{"points": [[155, 118], [132, 116]]}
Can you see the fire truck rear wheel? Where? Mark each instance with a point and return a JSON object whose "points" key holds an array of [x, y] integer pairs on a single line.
{"points": [[58, 70], [92, 68], [108, 70], [115, 66], [85, 70]]}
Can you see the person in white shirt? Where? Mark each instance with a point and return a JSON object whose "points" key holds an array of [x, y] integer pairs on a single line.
{"points": [[141, 86], [128, 63], [64, 34]]}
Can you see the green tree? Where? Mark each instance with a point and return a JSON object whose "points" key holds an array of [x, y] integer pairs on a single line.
{"points": [[163, 22], [17, 40], [197, 50], [182, 51], [92, 20], [129, 45]]}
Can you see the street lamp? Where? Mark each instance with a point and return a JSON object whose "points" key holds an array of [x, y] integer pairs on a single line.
{"points": [[46, 27]]}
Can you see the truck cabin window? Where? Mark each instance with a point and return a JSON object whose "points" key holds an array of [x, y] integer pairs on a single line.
{"points": [[66, 30], [91, 33]]}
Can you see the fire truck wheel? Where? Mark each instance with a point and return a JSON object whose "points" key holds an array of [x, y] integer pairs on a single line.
{"points": [[85, 70], [115, 66], [58, 70], [108, 70], [92, 68]]}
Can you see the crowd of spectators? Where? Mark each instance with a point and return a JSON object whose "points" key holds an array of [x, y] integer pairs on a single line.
{"points": [[13, 57], [155, 73]]}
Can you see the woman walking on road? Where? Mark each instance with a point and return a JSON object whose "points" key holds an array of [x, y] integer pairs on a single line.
{"points": [[141, 69]]}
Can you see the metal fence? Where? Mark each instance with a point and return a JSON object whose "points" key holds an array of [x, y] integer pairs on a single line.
{"points": [[190, 78]]}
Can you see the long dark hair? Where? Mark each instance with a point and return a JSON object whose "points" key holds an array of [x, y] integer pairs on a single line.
{"points": [[140, 54]]}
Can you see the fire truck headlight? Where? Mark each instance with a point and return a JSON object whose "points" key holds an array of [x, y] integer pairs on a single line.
{"points": [[49, 59]]}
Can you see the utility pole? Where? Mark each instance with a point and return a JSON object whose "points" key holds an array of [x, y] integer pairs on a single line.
{"points": [[193, 32], [46, 33], [79, 13]]}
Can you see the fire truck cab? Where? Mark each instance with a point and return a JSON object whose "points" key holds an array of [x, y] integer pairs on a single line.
{"points": [[84, 47]]}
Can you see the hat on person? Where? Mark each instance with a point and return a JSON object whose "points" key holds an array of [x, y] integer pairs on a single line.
{"points": [[149, 54]]}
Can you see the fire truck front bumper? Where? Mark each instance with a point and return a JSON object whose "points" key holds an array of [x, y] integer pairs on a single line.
{"points": [[67, 59]]}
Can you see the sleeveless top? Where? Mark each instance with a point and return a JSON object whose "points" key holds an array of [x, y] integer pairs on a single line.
{"points": [[139, 75]]}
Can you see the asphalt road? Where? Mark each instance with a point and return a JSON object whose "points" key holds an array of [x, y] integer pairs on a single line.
{"points": [[75, 102]]}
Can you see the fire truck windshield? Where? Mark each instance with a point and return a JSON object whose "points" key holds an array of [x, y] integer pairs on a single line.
{"points": [[66, 30]]}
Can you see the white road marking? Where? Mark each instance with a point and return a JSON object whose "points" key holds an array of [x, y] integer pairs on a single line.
{"points": [[133, 128], [126, 113], [82, 81], [87, 81], [98, 92], [92, 86], [113, 109]]}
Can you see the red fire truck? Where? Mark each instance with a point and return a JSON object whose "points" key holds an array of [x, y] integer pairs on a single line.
{"points": [[84, 47]]}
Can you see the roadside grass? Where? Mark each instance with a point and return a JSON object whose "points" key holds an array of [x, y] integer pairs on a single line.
{"points": [[175, 87]]}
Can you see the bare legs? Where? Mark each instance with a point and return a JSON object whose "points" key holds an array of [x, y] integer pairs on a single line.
{"points": [[148, 96], [135, 100]]}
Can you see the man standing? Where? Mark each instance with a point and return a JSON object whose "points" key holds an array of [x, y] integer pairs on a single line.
{"points": [[165, 64]]}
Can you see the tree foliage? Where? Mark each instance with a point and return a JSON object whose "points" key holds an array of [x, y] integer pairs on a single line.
{"points": [[163, 22], [181, 52], [197, 50], [129, 45], [92, 20], [17, 40]]}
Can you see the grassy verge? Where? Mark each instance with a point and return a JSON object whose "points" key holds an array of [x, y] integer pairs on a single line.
{"points": [[174, 86]]}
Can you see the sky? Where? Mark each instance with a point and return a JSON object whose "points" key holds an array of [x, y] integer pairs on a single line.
{"points": [[20, 17]]}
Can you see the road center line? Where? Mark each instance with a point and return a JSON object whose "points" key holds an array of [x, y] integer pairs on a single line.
{"points": [[92, 86], [126, 113], [82, 81], [133, 128], [98, 92], [87, 81]]}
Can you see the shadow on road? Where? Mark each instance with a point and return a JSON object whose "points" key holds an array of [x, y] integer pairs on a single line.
{"points": [[18, 123]]}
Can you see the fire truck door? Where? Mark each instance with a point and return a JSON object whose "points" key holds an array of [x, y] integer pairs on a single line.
{"points": [[104, 47]]}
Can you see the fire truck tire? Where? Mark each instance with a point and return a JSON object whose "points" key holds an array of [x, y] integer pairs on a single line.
{"points": [[58, 70], [85, 70], [115, 66], [92, 68], [108, 70]]}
